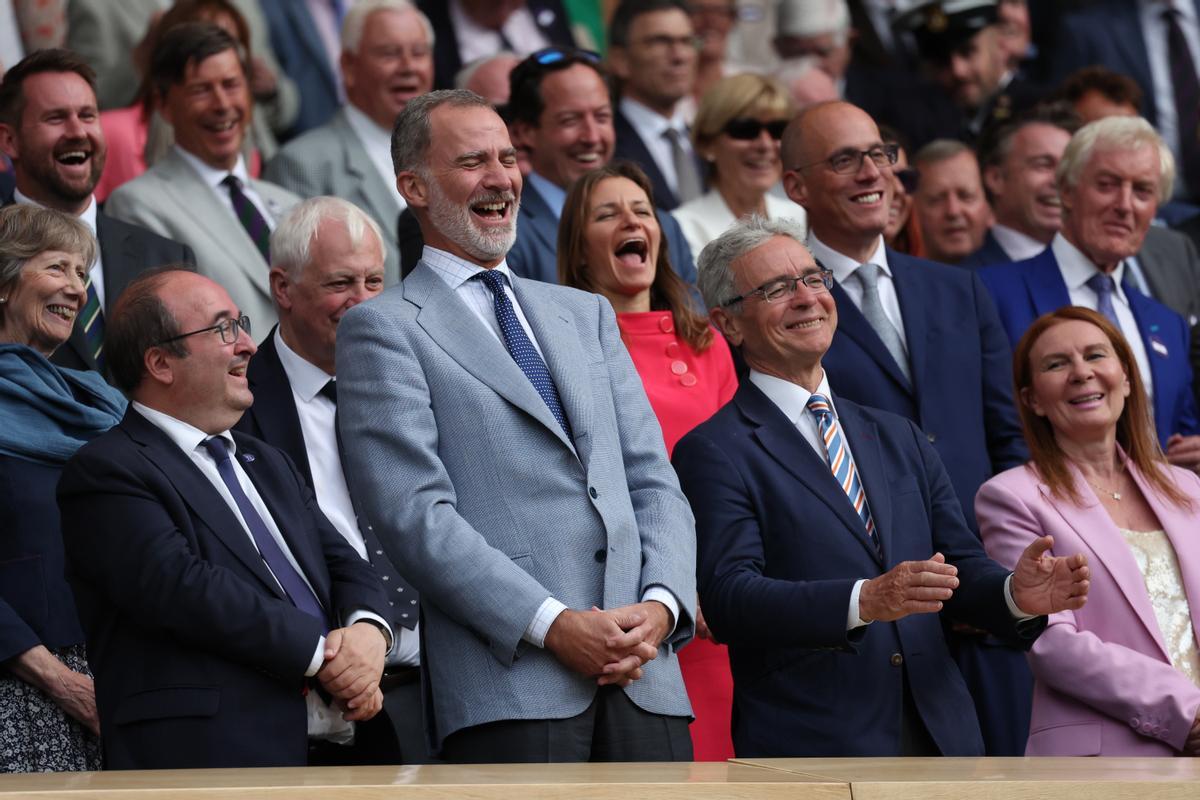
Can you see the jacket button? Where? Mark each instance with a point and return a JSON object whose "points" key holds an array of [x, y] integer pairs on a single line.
{"points": [[1133, 723], [592, 491], [1146, 727], [601, 555], [896, 659], [932, 437]]}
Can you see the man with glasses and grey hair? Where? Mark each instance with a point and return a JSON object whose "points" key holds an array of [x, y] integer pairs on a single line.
{"points": [[917, 338], [829, 535]]}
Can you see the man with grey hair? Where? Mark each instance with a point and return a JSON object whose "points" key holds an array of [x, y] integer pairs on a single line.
{"points": [[822, 570], [1111, 178], [500, 442], [387, 59], [327, 257]]}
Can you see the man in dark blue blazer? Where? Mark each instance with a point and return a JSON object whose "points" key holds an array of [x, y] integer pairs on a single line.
{"points": [[303, 56], [830, 535], [925, 344], [1112, 176], [561, 112], [227, 621]]}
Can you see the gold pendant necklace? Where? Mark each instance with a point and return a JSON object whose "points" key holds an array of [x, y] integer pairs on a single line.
{"points": [[1114, 495]]}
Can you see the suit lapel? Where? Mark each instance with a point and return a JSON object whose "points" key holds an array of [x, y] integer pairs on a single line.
{"points": [[371, 187], [779, 437], [274, 407], [1180, 526], [198, 493], [918, 322], [465, 339], [1047, 289], [1143, 315], [864, 446], [541, 219], [853, 325]]}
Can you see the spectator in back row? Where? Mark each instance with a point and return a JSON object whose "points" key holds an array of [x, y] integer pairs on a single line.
{"points": [[949, 202]]}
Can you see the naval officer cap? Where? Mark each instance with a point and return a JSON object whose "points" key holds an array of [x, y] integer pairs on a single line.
{"points": [[941, 27]]}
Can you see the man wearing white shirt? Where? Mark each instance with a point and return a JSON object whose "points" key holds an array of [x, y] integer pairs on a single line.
{"points": [[200, 192], [830, 537], [387, 59], [229, 624], [328, 257], [653, 51]]}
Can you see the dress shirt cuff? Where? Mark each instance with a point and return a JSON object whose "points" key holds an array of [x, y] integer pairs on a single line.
{"points": [[370, 616], [664, 595], [539, 626], [318, 659], [853, 620], [1013, 608], [407, 652]]}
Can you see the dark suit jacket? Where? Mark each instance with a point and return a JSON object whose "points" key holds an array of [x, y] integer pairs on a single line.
{"points": [[961, 366], [990, 252], [549, 15], [535, 253], [273, 417], [199, 657], [630, 147], [302, 56], [1024, 290], [779, 550]]}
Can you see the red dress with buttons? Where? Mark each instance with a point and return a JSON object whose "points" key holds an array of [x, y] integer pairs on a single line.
{"points": [[685, 388]]}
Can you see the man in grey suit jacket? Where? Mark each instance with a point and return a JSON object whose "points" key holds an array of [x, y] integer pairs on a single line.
{"points": [[195, 192], [387, 59], [512, 465]]}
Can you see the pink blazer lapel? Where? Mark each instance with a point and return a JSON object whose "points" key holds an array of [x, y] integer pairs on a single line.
{"points": [[1099, 534], [1183, 529]]}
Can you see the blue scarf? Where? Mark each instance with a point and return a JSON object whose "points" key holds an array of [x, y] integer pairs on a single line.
{"points": [[49, 412]]}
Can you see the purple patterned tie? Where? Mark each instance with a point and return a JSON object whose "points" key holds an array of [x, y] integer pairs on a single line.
{"points": [[247, 214], [1102, 284]]}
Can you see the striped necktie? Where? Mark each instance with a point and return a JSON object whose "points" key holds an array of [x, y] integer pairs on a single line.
{"points": [[93, 325], [248, 215], [841, 463]]}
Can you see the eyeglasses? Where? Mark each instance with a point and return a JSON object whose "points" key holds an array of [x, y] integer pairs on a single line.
{"points": [[748, 129], [850, 160], [228, 328], [909, 178], [782, 288]]}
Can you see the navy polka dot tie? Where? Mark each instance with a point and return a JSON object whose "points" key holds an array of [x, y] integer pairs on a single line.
{"points": [[521, 349]]}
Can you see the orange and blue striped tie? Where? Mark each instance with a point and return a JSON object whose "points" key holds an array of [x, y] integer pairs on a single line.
{"points": [[93, 325], [841, 463]]}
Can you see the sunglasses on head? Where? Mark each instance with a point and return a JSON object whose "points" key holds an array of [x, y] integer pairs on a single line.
{"points": [[909, 178], [747, 128], [551, 55]]}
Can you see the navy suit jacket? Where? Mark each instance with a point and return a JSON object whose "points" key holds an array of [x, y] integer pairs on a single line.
{"points": [[961, 365], [302, 56], [779, 550], [1024, 290], [273, 416], [535, 252], [630, 147], [990, 252], [198, 655]]}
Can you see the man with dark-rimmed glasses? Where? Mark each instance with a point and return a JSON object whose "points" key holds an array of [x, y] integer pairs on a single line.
{"points": [[829, 534], [916, 338]]}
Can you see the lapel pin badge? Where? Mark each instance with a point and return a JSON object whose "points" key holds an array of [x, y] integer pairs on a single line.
{"points": [[1156, 344], [248, 457]]}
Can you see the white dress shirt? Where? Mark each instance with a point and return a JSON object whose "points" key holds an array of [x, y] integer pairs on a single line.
{"points": [[1154, 35], [475, 41], [650, 127], [88, 217], [844, 266], [1076, 269], [1017, 245], [378, 143], [214, 177], [317, 426], [323, 722], [457, 274]]}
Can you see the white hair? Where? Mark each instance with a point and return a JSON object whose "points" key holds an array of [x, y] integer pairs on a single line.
{"points": [[1115, 133], [293, 237], [357, 15], [813, 18], [714, 277]]}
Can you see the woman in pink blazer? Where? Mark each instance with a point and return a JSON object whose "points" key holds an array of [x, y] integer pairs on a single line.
{"points": [[1120, 676]]}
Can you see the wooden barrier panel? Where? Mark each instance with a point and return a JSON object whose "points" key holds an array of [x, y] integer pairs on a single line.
{"points": [[437, 782], [1002, 778]]}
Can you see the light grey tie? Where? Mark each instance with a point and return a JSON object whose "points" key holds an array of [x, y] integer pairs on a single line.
{"points": [[687, 177], [872, 309]]}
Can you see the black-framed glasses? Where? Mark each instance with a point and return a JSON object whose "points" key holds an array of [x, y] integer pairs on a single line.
{"points": [[782, 288], [851, 160], [748, 128], [910, 178], [228, 328]]}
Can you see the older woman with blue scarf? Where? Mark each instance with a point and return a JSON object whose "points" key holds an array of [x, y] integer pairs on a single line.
{"points": [[47, 700]]}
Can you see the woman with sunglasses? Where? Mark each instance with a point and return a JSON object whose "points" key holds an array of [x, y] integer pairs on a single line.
{"points": [[737, 131]]}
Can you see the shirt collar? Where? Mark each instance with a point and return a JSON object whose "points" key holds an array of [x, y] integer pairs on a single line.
{"points": [[88, 217], [306, 378], [213, 176], [456, 271], [843, 266], [649, 122], [554, 195], [791, 398], [1077, 269], [1019, 246], [185, 435]]}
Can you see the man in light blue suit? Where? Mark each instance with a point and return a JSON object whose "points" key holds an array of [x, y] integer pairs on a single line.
{"points": [[498, 439], [1111, 178], [561, 112], [919, 339]]}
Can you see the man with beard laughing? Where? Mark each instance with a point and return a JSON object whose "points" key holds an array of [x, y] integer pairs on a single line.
{"points": [[499, 441], [50, 128]]}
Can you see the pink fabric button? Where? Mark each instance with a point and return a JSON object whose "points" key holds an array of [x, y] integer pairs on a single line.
{"points": [[678, 367], [688, 380], [666, 324], [673, 350]]}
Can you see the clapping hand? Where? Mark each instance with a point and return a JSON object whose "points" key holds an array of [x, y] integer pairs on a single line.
{"points": [[1044, 584]]}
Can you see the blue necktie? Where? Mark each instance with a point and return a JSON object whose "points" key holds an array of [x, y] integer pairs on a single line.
{"points": [[841, 464], [293, 584], [522, 350], [1102, 284]]}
